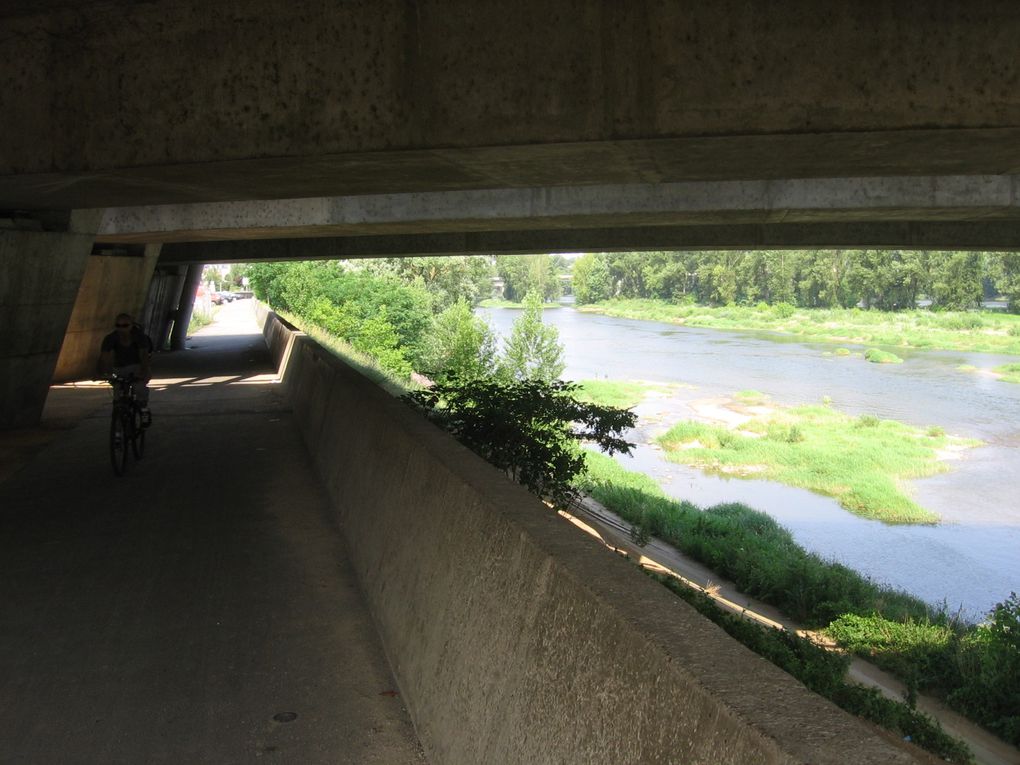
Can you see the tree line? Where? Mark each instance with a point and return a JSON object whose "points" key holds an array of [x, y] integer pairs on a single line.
{"points": [[883, 279], [413, 315]]}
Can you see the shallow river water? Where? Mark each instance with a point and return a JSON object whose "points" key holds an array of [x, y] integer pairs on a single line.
{"points": [[970, 561]]}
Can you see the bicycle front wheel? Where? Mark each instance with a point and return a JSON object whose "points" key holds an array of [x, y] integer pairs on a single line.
{"points": [[138, 436], [118, 444]]}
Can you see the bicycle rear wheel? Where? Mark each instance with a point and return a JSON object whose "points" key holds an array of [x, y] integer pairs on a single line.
{"points": [[138, 436], [118, 444]]}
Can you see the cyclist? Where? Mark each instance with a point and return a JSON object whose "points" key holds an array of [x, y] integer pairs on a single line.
{"points": [[128, 351]]}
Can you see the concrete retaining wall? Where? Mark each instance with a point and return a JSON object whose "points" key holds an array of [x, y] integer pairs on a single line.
{"points": [[513, 637]]}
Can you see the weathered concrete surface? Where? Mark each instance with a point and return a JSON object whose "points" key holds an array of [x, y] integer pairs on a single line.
{"points": [[39, 276], [112, 284], [517, 640], [981, 212], [271, 99], [990, 236], [920, 198], [170, 616]]}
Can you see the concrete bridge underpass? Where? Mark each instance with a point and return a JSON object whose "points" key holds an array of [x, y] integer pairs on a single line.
{"points": [[302, 569], [139, 140]]}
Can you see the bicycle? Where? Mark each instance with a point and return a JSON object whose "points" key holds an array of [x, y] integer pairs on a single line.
{"points": [[127, 424]]}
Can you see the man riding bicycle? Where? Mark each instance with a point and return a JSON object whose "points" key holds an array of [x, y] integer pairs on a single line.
{"points": [[128, 351]]}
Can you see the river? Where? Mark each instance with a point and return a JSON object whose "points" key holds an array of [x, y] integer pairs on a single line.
{"points": [[969, 562]]}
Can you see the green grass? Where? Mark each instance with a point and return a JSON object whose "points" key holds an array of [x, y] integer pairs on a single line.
{"points": [[200, 320], [1009, 372], [746, 546], [860, 462], [876, 356], [986, 332], [363, 362], [618, 393]]}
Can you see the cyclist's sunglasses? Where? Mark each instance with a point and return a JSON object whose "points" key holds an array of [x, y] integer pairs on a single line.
{"points": [[123, 326]]}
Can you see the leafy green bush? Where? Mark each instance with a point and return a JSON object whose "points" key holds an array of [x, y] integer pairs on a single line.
{"points": [[784, 310], [989, 665], [528, 428]]}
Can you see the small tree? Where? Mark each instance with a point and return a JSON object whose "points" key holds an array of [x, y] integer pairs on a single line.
{"points": [[528, 428], [460, 345], [533, 350]]}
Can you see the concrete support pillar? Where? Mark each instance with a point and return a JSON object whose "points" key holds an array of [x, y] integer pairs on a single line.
{"points": [[115, 281], [185, 307], [40, 272], [161, 306]]}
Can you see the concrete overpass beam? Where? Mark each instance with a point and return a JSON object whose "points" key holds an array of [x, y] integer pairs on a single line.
{"points": [[40, 273]]}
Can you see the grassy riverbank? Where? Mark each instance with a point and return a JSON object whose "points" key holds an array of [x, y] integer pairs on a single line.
{"points": [[1009, 372], [746, 546], [501, 303], [623, 394], [986, 331], [973, 667], [860, 461]]}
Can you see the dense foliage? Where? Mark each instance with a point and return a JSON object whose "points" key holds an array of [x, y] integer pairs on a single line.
{"points": [[528, 428], [883, 279], [524, 274], [414, 315], [977, 671], [824, 672]]}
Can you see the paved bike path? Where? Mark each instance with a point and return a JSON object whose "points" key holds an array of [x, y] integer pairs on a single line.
{"points": [[201, 609]]}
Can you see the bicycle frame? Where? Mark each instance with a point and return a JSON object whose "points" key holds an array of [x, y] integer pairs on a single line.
{"points": [[125, 425]]}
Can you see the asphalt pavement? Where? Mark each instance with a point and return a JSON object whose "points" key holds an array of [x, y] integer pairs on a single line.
{"points": [[200, 609]]}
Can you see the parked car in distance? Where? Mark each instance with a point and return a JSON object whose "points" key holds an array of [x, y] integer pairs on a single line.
{"points": [[226, 296]]}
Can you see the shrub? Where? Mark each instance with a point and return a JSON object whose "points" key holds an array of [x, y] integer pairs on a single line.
{"points": [[824, 673], [877, 356], [989, 665], [919, 652], [528, 428], [936, 432], [784, 310], [867, 421]]}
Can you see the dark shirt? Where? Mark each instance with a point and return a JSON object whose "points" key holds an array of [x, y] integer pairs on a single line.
{"points": [[125, 355]]}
